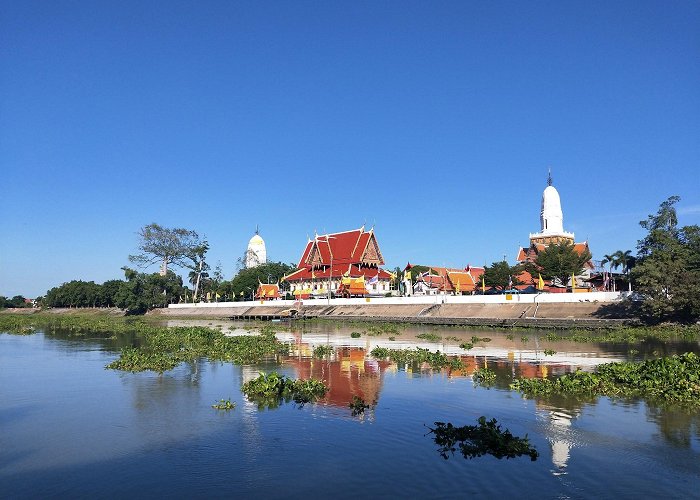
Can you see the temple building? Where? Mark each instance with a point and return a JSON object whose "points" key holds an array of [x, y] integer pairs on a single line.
{"points": [[346, 263], [256, 254], [268, 291], [551, 232], [438, 280]]}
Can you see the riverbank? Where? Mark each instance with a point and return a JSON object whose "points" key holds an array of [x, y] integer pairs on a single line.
{"points": [[529, 314]]}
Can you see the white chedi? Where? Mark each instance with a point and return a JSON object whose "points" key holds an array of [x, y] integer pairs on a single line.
{"points": [[256, 254]]}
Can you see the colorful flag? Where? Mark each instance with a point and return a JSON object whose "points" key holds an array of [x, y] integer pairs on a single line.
{"points": [[573, 282], [540, 282], [373, 280], [407, 275], [483, 284]]}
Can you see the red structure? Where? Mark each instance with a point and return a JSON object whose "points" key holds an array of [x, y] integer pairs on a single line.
{"points": [[329, 258]]}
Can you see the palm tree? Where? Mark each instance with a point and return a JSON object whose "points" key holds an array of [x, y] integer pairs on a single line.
{"points": [[626, 260], [610, 260]]}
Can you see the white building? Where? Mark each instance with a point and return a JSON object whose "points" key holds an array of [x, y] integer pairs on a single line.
{"points": [[256, 254]]}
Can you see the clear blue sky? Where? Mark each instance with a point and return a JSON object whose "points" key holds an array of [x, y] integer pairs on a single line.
{"points": [[435, 122]]}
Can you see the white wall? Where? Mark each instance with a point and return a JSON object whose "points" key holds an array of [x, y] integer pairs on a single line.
{"points": [[550, 298]]}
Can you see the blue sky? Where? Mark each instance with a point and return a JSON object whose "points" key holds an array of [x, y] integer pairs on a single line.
{"points": [[435, 122]]}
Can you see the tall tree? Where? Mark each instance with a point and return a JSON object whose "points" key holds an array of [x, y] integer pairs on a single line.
{"points": [[560, 261], [178, 247], [501, 275], [667, 273]]}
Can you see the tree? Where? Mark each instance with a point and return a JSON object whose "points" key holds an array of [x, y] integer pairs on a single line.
{"points": [[247, 280], [179, 247], [501, 275], [560, 261], [142, 291], [667, 273]]}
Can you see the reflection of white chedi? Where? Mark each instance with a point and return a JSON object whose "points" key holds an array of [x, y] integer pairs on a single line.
{"points": [[256, 253]]}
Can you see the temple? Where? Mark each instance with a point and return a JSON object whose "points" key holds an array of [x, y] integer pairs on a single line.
{"points": [[551, 232], [346, 264], [255, 254], [439, 280]]}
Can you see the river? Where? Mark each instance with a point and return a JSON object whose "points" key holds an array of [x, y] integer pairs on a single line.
{"points": [[71, 428]]}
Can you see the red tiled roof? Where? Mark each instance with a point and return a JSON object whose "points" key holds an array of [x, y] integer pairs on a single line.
{"points": [[346, 247]]}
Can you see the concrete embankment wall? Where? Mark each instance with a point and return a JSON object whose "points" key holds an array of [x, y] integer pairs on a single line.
{"points": [[555, 311]]}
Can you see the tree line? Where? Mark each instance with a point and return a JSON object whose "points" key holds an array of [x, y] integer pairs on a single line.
{"points": [[665, 272]]}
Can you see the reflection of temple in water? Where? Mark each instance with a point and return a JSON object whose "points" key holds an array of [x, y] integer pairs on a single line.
{"points": [[558, 431], [349, 372]]}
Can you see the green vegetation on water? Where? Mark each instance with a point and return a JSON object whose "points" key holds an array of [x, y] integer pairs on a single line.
{"points": [[477, 440], [321, 351], [224, 404], [436, 360], [674, 379], [358, 405], [270, 390], [484, 376], [431, 337]]}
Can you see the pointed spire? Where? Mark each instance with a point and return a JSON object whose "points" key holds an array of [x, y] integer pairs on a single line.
{"points": [[549, 177], [257, 231]]}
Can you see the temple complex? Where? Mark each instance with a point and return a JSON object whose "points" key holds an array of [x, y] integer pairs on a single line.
{"points": [[346, 263]]}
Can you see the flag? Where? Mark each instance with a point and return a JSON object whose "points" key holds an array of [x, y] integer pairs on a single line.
{"points": [[208, 295], [540, 282], [606, 280], [510, 282], [573, 282], [483, 284], [217, 296], [457, 288], [407, 275], [241, 293], [313, 275], [373, 280]]}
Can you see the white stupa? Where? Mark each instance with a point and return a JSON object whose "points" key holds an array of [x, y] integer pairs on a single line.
{"points": [[256, 254], [551, 218]]}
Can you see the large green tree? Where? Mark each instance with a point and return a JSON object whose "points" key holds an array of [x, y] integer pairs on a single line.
{"points": [[142, 291], [177, 246], [559, 261], [667, 273], [501, 275], [247, 280]]}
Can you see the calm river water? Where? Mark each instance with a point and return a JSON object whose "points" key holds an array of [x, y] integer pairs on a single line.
{"points": [[70, 428]]}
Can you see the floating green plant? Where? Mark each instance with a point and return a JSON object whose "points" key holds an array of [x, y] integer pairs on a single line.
{"points": [[486, 438], [431, 337], [476, 339], [674, 379], [224, 404], [321, 351], [466, 345], [509, 336], [524, 339], [436, 360], [355, 335], [549, 352], [358, 406], [484, 376], [270, 390]]}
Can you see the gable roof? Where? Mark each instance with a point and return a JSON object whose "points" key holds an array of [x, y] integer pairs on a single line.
{"points": [[350, 247]]}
